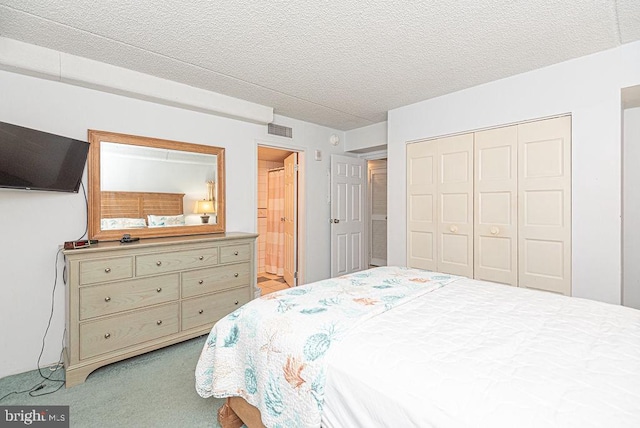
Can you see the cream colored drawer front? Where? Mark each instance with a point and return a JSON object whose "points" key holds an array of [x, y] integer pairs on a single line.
{"points": [[122, 296], [214, 279], [94, 271], [99, 337], [209, 309], [150, 264], [235, 253]]}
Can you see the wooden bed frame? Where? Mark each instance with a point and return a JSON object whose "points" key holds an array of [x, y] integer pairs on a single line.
{"points": [[236, 411], [140, 204]]}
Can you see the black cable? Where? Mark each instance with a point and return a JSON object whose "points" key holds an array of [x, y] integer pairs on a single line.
{"points": [[39, 385], [46, 378]]}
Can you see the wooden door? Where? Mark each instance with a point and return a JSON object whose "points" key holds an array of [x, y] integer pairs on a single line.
{"points": [[290, 218], [348, 180], [496, 209], [422, 173], [455, 205], [544, 214]]}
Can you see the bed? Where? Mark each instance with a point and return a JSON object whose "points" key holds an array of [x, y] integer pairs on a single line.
{"points": [[403, 347]]}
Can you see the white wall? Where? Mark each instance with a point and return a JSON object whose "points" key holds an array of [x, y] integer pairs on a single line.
{"points": [[34, 224], [631, 209], [372, 137], [589, 89]]}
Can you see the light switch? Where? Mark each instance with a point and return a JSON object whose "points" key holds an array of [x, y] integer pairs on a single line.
{"points": [[318, 155]]}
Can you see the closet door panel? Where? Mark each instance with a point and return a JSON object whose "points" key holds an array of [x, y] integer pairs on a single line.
{"points": [[421, 204], [544, 190], [455, 205], [496, 205]]}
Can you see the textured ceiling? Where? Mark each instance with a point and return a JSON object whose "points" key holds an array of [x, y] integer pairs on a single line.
{"points": [[339, 63]]}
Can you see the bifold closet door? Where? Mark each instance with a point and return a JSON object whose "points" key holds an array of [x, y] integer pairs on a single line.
{"points": [[422, 165], [455, 205], [496, 206], [544, 213]]}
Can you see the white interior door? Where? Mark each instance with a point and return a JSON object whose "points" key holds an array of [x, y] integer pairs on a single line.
{"points": [[348, 181], [544, 214], [290, 218], [496, 210], [378, 212], [422, 173], [455, 205]]}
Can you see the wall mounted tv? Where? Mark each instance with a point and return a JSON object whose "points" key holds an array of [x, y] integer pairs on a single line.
{"points": [[36, 160]]}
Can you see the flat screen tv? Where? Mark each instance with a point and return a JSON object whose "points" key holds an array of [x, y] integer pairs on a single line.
{"points": [[36, 160]]}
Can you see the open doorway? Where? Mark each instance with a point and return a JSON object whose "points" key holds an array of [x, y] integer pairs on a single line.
{"points": [[277, 219], [377, 208]]}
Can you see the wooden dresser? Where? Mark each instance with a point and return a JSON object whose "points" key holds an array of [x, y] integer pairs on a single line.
{"points": [[128, 299]]}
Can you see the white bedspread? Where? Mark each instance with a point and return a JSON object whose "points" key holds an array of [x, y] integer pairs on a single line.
{"points": [[476, 354], [272, 351]]}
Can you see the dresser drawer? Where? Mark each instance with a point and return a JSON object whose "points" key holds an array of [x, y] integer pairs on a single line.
{"points": [[95, 271], [99, 337], [235, 253], [218, 278], [121, 296], [206, 310], [151, 264]]}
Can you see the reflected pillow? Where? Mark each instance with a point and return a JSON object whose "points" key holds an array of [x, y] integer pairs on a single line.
{"points": [[121, 223], [166, 220]]}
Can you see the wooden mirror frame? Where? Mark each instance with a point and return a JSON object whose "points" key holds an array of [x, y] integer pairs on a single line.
{"points": [[95, 199]]}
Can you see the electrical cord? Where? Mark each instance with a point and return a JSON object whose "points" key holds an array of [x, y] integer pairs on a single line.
{"points": [[39, 386]]}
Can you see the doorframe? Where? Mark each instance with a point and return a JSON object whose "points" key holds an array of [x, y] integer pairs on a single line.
{"points": [[377, 155], [302, 202]]}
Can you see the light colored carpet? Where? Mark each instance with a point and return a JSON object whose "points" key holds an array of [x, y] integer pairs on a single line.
{"points": [[156, 389]]}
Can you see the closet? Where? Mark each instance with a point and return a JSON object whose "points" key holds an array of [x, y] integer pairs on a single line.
{"points": [[494, 205]]}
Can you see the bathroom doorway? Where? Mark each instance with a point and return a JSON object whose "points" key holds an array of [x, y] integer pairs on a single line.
{"points": [[277, 219]]}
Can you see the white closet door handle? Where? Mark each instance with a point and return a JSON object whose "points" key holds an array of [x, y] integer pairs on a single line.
{"points": [[453, 228], [494, 230]]}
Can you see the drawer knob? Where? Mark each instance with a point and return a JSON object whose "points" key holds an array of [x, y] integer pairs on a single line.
{"points": [[200, 311], [235, 253], [107, 335], [159, 322], [107, 270], [236, 302], [200, 282], [201, 258], [158, 263], [159, 289], [235, 274], [107, 299]]}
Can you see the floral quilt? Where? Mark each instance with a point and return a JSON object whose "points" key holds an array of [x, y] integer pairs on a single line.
{"points": [[272, 351]]}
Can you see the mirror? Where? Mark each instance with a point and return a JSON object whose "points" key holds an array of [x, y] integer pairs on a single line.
{"points": [[148, 187]]}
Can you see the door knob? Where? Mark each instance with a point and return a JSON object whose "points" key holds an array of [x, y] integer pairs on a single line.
{"points": [[334, 220], [494, 230], [453, 228]]}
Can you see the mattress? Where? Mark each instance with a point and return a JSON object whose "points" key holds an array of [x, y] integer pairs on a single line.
{"points": [[478, 354]]}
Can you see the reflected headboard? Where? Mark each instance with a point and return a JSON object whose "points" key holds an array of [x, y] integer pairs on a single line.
{"points": [[140, 204]]}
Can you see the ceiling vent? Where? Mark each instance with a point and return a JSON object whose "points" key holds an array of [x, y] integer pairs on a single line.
{"points": [[282, 131]]}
